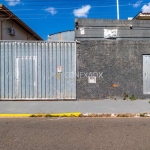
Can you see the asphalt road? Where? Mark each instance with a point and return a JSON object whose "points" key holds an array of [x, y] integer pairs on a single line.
{"points": [[75, 134]]}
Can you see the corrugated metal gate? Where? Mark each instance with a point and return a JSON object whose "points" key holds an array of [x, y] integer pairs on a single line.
{"points": [[37, 70], [146, 74]]}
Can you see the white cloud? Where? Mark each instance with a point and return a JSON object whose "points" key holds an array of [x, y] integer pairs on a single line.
{"points": [[146, 8], [51, 10], [12, 2], [137, 4], [82, 12]]}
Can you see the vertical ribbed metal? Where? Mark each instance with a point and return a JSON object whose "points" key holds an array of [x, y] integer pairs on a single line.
{"points": [[146, 74], [29, 70], [62, 36]]}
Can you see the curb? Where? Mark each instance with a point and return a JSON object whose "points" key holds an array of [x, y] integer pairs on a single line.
{"points": [[118, 115], [15, 115], [79, 114], [73, 114]]}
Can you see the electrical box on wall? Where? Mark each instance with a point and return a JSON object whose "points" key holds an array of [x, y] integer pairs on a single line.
{"points": [[91, 79], [12, 31]]}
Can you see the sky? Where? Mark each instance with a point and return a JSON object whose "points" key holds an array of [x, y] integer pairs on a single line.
{"points": [[51, 16]]}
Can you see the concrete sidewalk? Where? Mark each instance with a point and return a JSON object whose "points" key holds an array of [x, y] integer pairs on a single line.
{"points": [[96, 106]]}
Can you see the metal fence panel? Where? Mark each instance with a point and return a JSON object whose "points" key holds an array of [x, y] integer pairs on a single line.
{"points": [[146, 74], [29, 70]]}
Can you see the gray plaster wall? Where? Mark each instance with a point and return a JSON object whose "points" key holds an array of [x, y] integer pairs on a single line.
{"points": [[94, 29], [119, 65]]}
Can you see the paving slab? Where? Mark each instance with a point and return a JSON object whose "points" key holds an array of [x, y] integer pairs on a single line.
{"points": [[88, 106]]}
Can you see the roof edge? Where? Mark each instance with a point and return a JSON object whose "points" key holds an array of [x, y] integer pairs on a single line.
{"points": [[60, 32], [20, 22], [134, 18]]}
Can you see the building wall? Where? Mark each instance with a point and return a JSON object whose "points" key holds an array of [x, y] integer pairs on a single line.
{"points": [[21, 34], [94, 29], [118, 66]]}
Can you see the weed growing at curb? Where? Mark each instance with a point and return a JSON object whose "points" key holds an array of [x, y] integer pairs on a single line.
{"points": [[48, 115], [143, 115], [132, 98], [74, 114], [125, 96], [38, 115], [125, 115]]}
